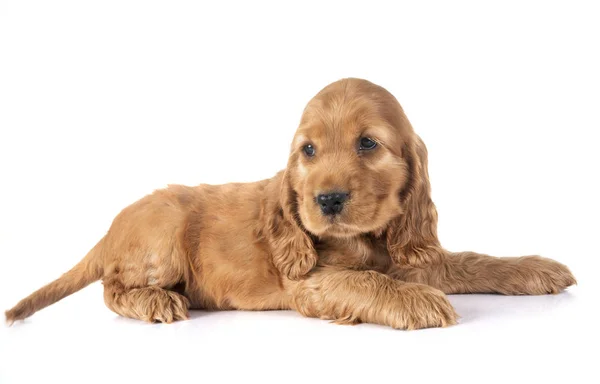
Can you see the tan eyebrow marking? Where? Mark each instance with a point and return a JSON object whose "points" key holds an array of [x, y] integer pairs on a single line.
{"points": [[380, 134], [300, 139]]}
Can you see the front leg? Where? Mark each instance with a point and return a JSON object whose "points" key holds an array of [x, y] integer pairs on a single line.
{"points": [[348, 297], [469, 272]]}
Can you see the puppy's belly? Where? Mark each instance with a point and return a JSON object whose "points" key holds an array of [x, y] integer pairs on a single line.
{"points": [[235, 273], [229, 260]]}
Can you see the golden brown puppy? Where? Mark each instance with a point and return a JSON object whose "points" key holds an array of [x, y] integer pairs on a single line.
{"points": [[347, 232]]}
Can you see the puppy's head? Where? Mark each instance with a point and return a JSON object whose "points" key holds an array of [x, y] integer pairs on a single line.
{"points": [[352, 160]]}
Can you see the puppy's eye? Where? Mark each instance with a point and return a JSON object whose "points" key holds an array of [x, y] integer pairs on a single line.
{"points": [[366, 144], [309, 150]]}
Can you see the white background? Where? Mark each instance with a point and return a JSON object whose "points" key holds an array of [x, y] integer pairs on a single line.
{"points": [[103, 101]]}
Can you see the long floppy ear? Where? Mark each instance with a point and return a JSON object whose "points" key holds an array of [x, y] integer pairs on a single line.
{"points": [[412, 237], [293, 253]]}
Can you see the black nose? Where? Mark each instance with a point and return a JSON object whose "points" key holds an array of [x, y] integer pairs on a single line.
{"points": [[332, 203]]}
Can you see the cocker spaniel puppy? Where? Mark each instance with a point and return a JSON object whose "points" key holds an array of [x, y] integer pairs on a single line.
{"points": [[347, 232]]}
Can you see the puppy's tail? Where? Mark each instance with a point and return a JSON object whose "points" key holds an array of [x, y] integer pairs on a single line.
{"points": [[85, 272]]}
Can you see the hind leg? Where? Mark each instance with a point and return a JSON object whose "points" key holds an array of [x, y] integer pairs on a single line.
{"points": [[151, 304]]}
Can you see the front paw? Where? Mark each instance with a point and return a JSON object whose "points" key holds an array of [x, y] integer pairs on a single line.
{"points": [[421, 306], [535, 275]]}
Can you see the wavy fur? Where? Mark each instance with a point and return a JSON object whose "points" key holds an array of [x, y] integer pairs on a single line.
{"points": [[266, 245]]}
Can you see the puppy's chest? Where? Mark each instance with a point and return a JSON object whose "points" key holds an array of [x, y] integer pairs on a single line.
{"points": [[356, 253]]}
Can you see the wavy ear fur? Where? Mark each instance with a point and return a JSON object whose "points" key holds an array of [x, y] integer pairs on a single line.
{"points": [[292, 248], [412, 237]]}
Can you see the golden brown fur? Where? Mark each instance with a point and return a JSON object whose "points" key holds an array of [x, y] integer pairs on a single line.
{"points": [[267, 245]]}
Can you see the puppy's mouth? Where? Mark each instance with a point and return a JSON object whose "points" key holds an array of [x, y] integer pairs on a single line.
{"points": [[335, 227]]}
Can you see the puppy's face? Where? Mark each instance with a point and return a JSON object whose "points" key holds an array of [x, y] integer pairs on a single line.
{"points": [[349, 164]]}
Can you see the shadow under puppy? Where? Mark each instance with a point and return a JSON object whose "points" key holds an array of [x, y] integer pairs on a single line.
{"points": [[346, 232]]}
